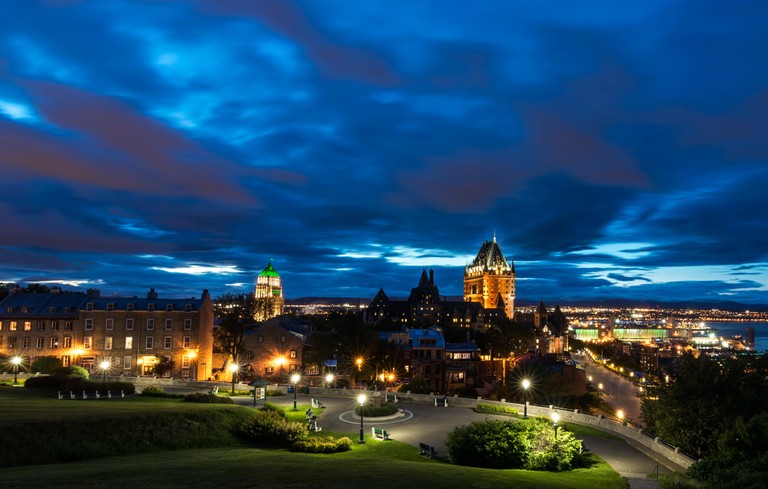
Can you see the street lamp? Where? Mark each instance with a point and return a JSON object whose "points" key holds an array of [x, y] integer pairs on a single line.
{"points": [[600, 387], [233, 367], [295, 380], [620, 415], [555, 419], [361, 399], [359, 363], [104, 365], [526, 385], [328, 380], [16, 361]]}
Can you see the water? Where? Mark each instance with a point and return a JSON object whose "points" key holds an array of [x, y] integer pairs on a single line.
{"points": [[728, 330]]}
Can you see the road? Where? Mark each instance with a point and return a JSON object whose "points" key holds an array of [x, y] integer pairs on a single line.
{"points": [[617, 391]]}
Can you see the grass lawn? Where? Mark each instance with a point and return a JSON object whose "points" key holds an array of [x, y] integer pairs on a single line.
{"points": [[375, 464]]}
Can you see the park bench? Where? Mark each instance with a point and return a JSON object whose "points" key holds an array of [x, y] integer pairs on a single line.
{"points": [[313, 426], [215, 390], [380, 433], [427, 450], [442, 402], [316, 403]]}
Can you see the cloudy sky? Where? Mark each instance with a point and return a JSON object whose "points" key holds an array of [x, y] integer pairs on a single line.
{"points": [[617, 149]]}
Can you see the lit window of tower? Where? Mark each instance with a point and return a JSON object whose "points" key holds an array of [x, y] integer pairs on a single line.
{"points": [[269, 294], [490, 279]]}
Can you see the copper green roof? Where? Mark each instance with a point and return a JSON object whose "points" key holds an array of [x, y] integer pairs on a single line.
{"points": [[269, 271]]}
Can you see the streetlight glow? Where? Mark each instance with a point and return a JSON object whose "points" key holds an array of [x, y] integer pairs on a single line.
{"points": [[526, 385], [361, 400], [295, 380], [555, 419], [16, 361], [620, 415], [104, 365], [328, 379], [233, 367]]}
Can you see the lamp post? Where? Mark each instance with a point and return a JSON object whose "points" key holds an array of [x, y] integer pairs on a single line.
{"points": [[233, 367], [361, 399], [328, 380], [526, 385], [620, 415], [295, 380], [555, 419], [600, 389], [104, 365], [16, 361]]}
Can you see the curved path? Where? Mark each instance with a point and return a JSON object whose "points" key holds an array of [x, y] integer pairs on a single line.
{"points": [[426, 423]]}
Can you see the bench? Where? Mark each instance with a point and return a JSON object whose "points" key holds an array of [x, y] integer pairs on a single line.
{"points": [[215, 390], [313, 426], [443, 402], [316, 403], [380, 433], [427, 450]]}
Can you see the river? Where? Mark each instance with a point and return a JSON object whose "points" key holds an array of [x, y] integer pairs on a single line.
{"points": [[730, 329]]}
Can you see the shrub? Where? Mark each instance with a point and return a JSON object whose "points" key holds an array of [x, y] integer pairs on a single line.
{"points": [[205, 397], [71, 371], [77, 384], [494, 409], [155, 391], [316, 444], [270, 428], [268, 406], [386, 409], [45, 365], [275, 392], [512, 445]]}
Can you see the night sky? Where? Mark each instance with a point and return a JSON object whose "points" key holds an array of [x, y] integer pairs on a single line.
{"points": [[617, 149]]}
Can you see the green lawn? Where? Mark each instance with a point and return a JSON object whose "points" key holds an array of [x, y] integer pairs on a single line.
{"points": [[375, 464]]}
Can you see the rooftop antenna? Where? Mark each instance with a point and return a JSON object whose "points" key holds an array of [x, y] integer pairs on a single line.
{"points": [[494, 234]]}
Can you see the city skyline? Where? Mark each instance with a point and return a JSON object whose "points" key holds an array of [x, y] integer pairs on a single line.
{"points": [[613, 150]]}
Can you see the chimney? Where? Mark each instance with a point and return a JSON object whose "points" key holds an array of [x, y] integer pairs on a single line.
{"points": [[152, 295], [93, 293], [431, 277]]}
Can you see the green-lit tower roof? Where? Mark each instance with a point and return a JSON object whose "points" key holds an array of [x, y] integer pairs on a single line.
{"points": [[269, 271]]}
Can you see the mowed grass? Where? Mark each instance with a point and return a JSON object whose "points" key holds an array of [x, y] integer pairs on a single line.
{"points": [[375, 464], [364, 466]]}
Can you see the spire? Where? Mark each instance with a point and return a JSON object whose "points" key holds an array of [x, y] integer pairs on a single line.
{"points": [[494, 234]]}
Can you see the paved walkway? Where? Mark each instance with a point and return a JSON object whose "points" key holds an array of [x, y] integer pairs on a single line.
{"points": [[429, 424]]}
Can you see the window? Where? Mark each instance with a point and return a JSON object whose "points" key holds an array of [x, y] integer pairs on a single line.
{"points": [[188, 307], [128, 342], [67, 342], [167, 341], [186, 342], [87, 342], [150, 324], [109, 324], [67, 309], [116, 361], [66, 361], [54, 342], [110, 306], [129, 324], [187, 324], [127, 362], [129, 306], [12, 325], [151, 306], [1, 325], [41, 325], [149, 343], [168, 324], [269, 370], [25, 309], [27, 325], [89, 306], [108, 343], [67, 325], [40, 343], [169, 307], [185, 361], [293, 354], [12, 342], [25, 342], [261, 338], [54, 325], [89, 324], [282, 339]]}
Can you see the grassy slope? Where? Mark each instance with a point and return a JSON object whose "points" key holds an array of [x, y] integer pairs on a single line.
{"points": [[375, 464]]}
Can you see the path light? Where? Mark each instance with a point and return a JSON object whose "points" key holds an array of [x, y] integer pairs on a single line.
{"points": [[233, 367], [104, 365], [526, 385], [295, 380], [620, 415], [361, 400], [555, 419], [16, 361]]}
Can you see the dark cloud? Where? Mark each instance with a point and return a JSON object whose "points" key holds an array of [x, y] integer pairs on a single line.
{"points": [[616, 150]]}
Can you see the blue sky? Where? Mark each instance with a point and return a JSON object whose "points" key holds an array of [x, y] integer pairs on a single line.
{"points": [[617, 149]]}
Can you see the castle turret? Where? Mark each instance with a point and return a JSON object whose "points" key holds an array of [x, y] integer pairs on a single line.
{"points": [[491, 277]]}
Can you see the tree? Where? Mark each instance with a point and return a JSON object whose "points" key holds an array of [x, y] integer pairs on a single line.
{"points": [[46, 365], [163, 365], [235, 314]]}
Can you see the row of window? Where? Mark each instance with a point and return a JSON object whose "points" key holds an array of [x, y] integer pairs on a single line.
{"points": [[66, 342], [27, 325], [109, 324], [132, 307]]}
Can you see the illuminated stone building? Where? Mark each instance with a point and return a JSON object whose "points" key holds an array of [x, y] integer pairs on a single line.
{"points": [[85, 329], [269, 294], [490, 279], [274, 349]]}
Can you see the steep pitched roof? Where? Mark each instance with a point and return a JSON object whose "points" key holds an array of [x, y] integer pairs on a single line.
{"points": [[490, 258], [269, 271]]}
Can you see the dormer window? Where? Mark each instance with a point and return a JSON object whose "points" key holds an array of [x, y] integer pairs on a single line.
{"points": [[10, 309], [188, 307], [151, 306], [129, 307], [25, 310], [89, 306], [169, 307], [51, 309], [111, 306]]}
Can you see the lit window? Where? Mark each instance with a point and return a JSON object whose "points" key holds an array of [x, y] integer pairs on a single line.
{"points": [[128, 342], [108, 343], [88, 342]]}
